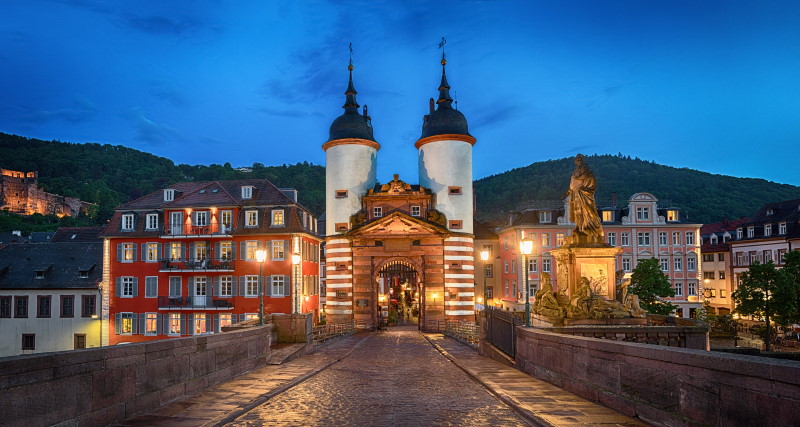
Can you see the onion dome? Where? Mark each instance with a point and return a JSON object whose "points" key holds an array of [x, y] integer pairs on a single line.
{"points": [[444, 120], [351, 124]]}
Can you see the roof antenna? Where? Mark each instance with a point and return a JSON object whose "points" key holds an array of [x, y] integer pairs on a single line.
{"points": [[455, 94]]}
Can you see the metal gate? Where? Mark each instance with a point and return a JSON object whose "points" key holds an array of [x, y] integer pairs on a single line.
{"points": [[501, 330]]}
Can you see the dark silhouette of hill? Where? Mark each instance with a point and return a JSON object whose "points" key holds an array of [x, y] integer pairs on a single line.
{"points": [[705, 197]]}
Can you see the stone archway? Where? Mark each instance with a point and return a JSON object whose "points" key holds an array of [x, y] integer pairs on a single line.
{"points": [[398, 287]]}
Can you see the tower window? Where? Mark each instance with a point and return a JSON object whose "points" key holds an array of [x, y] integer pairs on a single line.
{"points": [[341, 226], [377, 212], [453, 190], [341, 194], [415, 211], [456, 224]]}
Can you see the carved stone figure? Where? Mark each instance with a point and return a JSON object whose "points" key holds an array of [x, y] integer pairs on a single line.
{"points": [[632, 305], [579, 302], [582, 206], [622, 286], [358, 218], [437, 217], [545, 302]]}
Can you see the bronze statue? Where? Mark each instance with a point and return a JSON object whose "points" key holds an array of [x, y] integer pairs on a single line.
{"points": [[545, 302], [582, 206]]}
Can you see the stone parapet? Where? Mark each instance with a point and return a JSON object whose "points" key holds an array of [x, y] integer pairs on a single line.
{"points": [[105, 385], [665, 385]]}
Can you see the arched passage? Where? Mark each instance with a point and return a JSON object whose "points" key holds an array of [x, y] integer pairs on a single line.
{"points": [[398, 288]]}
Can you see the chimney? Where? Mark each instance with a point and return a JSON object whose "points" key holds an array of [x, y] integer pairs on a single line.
{"points": [[614, 199]]}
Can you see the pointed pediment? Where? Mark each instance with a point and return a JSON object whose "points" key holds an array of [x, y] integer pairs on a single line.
{"points": [[398, 223]]}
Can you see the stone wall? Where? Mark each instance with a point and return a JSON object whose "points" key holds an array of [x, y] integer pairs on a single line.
{"points": [[665, 385], [109, 384], [671, 336]]}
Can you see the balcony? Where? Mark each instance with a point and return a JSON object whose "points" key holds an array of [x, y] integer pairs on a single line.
{"points": [[194, 302], [213, 230], [176, 266]]}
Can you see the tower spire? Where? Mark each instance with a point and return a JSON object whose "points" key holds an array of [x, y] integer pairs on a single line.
{"points": [[444, 100], [350, 103]]}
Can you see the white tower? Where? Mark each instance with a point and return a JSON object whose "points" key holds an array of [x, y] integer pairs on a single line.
{"points": [[445, 160], [350, 163]]}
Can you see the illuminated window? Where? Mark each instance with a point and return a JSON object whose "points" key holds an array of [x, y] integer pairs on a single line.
{"points": [[151, 324], [126, 326], [226, 251], [277, 286], [277, 218], [175, 251], [226, 286], [251, 219], [128, 252], [200, 251], [250, 248], [545, 239], [341, 226], [676, 238], [672, 215], [225, 218], [225, 320], [608, 216], [278, 250], [151, 252], [175, 324], [559, 239]]}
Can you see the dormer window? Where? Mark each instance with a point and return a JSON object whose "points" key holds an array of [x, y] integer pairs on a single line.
{"points": [[169, 195], [278, 218], [782, 228], [608, 216], [127, 222], [40, 274], [152, 221], [770, 212], [751, 231], [768, 230], [247, 191], [739, 233], [251, 218], [672, 215], [642, 213], [545, 216]]}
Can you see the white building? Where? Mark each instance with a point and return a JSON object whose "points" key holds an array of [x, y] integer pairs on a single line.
{"points": [[49, 297]]}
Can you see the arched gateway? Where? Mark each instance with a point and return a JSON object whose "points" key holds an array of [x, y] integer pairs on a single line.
{"points": [[381, 237]]}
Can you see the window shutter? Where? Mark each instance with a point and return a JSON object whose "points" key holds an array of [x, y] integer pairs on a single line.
{"points": [[217, 287], [160, 251], [142, 326], [242, 283], [268, 248], [183, 324], [242, 250], [234, 286], [192, 247], [118, 323], [288, 287], [191, 323], [191, 286], [217, 251], [144, 252], [209, 325], [183, 251], [134, 252], [216, 323], [118, 286], [119, 251], [241, 317], [135, 286], [268, 285], [160, 324], [233, 250], [209, 289]]}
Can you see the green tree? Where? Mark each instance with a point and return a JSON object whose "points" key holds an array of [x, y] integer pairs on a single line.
{"points": [[765, 291], [791, 271], [650, 284]]}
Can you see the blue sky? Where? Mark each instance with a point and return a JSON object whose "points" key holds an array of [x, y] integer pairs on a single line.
{"points": [[709, 85]]}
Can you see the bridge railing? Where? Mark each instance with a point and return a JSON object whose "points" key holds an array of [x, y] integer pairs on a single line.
{"points": [[325, 332], [466, 332], [501, 329]]}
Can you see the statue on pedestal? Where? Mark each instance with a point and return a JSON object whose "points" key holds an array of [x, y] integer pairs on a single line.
{"points": [[582, 206]]}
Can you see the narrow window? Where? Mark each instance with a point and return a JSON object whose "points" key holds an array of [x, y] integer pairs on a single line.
{"points": [[169, 195], [151, 323], [88, 306], [251, 219], [152, 221], [341, 226], [5, 307], [453, 190], [341, 194], [43, 305], [127, 222], [455, 224], [247, 192]]}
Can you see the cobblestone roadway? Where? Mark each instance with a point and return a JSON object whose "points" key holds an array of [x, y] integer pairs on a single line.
{"points": [[395, 378]]}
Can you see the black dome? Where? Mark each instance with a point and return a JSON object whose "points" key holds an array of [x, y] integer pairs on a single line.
{"points": [[351, 125], [445, 121]]}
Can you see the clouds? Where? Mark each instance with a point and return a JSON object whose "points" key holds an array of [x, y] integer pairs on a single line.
{"points": [[152, 132], [82, 110]]}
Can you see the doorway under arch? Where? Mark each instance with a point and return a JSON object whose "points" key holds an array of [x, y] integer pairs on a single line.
{"points": [[399, 292]]}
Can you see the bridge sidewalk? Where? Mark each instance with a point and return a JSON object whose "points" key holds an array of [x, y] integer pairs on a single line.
{"points": [[540, 402], [224, 402]]}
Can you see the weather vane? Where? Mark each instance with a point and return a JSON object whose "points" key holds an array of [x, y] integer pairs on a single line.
{"points": [[441, 46], [351, 57]]}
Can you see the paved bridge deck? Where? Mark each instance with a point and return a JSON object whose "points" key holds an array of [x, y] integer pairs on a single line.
{"points": [[397, 377]]}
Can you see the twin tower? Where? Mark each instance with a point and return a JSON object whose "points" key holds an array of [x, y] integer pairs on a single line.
{"points": [[445, 162]]}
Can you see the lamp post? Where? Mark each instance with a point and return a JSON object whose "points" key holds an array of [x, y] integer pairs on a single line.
{"points": [[261, 256], [526, 248], [484, 258], [295, 291]]}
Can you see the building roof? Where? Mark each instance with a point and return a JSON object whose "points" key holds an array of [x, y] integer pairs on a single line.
{"points": [[41, 236], [6, 237], [774, 213], [77, 234], [482, 231], [444, 120], [351, 124], [719, 228], [59, 264]]}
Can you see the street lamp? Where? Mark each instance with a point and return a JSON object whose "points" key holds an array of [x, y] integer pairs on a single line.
{"points": [[526, 247], [296, 296], [484, 258], [261, 256]]}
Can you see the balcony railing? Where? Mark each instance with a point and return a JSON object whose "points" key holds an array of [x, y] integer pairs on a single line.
{"points": [[197, 265], [202, 230], [194, 302]]}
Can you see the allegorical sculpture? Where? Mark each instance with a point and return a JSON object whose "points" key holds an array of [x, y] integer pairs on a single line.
{"points": [[582, 206]]}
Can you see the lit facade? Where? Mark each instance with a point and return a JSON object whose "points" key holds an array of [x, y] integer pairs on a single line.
{"points": [[183, 260], [642, 229], [717, 273]]}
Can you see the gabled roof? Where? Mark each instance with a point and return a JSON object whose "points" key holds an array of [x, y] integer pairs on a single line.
{"points": [[398, 222], [482, 231], [211, 193], [40, 236], [59, 263], [774, 213]]}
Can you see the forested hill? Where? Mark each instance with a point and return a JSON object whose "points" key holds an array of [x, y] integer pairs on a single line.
{"points": [[111, 175], [704, 196]]}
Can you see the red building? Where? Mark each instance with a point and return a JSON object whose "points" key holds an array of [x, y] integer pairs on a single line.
{"points": [[183, 260]]}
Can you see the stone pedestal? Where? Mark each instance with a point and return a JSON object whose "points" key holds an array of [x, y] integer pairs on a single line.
{"points": [[595, 262]]}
